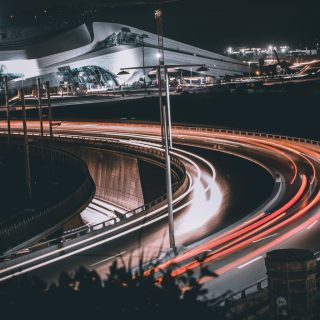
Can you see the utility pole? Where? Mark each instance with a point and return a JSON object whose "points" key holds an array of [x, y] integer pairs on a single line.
{"points": [[158, 17], [40, 113], [8, 107], [168, 110], [26, 145], [165, 126], [49, 108]]}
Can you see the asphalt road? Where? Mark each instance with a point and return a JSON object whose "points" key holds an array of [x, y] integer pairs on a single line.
{"points": [[289, 218]]}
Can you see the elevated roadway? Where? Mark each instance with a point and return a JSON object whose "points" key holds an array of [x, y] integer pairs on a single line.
{"points": [[289, 218]]}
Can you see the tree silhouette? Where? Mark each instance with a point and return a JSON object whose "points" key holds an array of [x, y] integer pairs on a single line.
{"points": [[126, 292]]}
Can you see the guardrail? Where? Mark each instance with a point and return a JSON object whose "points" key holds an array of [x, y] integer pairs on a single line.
{"points": [[214, 130], [178, 168], [242, 294], [158, 153], [53, 211], [233, 131], [248, 133]]}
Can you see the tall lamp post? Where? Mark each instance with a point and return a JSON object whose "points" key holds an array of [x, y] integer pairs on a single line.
{"points": [[165, 119], [8, 107], [165, 123]]}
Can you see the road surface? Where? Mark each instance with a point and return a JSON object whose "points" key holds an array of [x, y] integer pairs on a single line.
{"points": [[289, 218]]}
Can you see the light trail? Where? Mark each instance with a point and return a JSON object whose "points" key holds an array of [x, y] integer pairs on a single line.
{"points": [[275, 242], [265, 238], [232, 234], [109, 231], [302, 161], [250, 262]]}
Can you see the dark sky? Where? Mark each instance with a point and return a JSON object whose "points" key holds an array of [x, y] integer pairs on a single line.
{"points": [[216, 24], [211, 24]]}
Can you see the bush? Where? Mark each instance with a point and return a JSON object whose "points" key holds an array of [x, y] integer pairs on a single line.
{"points": [[122, 295]]}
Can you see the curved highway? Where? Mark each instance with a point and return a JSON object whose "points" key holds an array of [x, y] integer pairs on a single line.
{"points": [[289, 218]]}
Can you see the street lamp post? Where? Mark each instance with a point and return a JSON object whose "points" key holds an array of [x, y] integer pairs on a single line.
{"points": [[165, 118], [8, 107], [160, 55], [168, 111], [165, 124]]}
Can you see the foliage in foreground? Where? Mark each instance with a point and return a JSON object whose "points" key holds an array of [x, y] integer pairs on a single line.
{"points": [[122, 295]]}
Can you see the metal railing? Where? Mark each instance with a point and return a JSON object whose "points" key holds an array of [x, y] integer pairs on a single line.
{"points": [[177, 188], [247, 133], [242, 294], [157, 153], [232, 131], [207, 129]]}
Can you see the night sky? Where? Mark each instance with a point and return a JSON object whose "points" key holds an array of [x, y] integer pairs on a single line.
{"points": [[210, 24]]}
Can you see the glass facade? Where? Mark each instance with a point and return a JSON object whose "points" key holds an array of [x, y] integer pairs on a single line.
{"points": [[10, 76], [88, 77], [123, 37]]}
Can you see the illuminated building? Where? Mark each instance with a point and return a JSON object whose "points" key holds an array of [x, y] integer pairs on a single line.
{"points": [[89, 57]]}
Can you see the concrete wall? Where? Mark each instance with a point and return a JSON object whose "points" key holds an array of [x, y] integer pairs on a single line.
{"points": [[116, 176]]}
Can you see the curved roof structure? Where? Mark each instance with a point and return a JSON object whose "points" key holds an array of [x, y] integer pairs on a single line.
{"points": [[109, 46]]}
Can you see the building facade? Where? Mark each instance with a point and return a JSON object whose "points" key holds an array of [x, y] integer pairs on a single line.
{"points": [[90, 56]]}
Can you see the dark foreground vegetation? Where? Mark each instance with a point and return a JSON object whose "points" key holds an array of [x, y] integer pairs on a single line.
{"points": [[123, 295]]}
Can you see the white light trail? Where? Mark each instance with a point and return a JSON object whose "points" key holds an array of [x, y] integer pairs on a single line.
{"points": [[250, 262], [272, 235]]}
